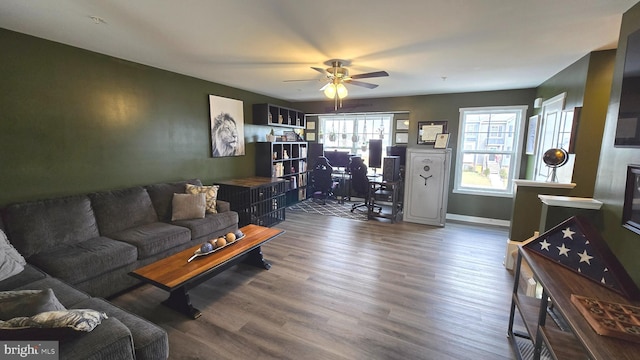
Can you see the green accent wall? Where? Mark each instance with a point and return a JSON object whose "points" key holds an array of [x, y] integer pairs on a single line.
{"points": [[74, 121], [587, 83], [611, 177], [442, 107]]}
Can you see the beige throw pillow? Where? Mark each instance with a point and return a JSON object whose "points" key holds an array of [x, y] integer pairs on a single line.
{"points": [[188, 206], [211, 193]]}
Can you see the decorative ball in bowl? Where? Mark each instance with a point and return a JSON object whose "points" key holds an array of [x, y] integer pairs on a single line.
{"points": [[206, 247], [220, 242]]}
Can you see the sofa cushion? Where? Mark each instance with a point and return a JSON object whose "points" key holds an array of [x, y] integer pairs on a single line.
{"points": [[162, 196], [88, 259], [154, 238], [211, 224], [110, 340], [150, 340], [211, 193], [122, 209], [188, 206], [19, 303], [38, 226], [11, 262], [59, 334], [222, 206], [66, 294], [29, 274]]}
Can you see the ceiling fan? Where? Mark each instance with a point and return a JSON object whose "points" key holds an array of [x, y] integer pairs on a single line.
{"points": [[337, 75]]}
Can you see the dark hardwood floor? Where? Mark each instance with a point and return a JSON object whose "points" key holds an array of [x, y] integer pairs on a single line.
{"points": [[346, 289]]}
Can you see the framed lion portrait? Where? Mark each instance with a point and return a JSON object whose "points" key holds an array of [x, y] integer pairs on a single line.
{"points": [[227, 126]]}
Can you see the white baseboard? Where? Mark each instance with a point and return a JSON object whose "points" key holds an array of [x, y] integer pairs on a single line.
{"points": [[479, 220]]}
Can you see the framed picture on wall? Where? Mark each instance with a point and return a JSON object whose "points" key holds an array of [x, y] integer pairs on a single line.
{"points": [[311, 125], [532, 135], [227, 126], [402, 138], [402, 124], [427, 131]]}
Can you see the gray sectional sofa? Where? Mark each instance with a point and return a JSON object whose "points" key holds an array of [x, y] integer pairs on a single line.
{"points": [[84, 246]]}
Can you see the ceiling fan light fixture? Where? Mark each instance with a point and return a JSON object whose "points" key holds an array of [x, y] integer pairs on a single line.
{"points": [[330, 91], [342, 91]]}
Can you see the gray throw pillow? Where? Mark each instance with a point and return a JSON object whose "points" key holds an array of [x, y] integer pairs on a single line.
{"points": [[11, 262], [188, 206], [25, 303]]}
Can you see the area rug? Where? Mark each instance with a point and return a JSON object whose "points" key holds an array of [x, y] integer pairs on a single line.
{"points": [[330, 208]]}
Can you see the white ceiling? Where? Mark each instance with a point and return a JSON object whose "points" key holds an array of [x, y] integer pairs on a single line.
{"points": [[427, 46]]}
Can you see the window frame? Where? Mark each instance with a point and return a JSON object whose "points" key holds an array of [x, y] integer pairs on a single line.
{"points": [[357, 120], [515, 154]]}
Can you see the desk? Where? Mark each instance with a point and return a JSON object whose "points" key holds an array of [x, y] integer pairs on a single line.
{"points": [[389, 192]]}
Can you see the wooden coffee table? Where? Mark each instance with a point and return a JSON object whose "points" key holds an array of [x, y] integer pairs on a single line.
{"points": [[178, 276]]}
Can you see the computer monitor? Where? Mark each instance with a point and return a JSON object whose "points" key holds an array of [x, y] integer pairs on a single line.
{"points": [[400, 151], [375, 153], [338, 158]]}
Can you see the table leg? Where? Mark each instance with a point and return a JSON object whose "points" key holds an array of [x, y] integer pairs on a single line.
{"points": [[255, 258], [179, 301]]}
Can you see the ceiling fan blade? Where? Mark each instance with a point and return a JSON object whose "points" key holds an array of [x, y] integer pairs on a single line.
{"points": [[302, 80], [321, 70], [361, 83], [370, 75], [325, 86]]}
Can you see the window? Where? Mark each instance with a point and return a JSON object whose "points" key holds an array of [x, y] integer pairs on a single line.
{"points": [[352, 132], [489, 151]]}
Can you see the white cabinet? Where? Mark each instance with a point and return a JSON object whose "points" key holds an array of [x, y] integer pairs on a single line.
{"points": [[426, 186]]}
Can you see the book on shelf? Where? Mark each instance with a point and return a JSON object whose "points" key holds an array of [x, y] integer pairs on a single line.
{"points": [[278, 170]]}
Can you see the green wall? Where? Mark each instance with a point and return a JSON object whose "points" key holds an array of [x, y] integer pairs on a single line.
{"points": [[442, 107], [74, 121], [587, 83], [610, 182]]}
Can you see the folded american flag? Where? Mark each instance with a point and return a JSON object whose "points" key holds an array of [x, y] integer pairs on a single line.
{"points": [[577, 245]]}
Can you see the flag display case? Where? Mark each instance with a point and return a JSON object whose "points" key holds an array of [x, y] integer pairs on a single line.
{"points": [[570, 259]]}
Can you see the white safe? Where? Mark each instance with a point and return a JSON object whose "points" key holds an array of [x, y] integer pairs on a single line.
{"points": [[426, 186]]}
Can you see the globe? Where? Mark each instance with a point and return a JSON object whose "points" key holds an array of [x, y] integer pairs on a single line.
{"points": [[555, 157]]}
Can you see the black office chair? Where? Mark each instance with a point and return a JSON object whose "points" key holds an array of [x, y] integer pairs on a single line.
{"points": [[361, 186], [321, 179]]}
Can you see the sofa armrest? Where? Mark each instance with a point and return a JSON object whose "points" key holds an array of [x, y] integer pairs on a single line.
{"points": [[222, 206]]}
